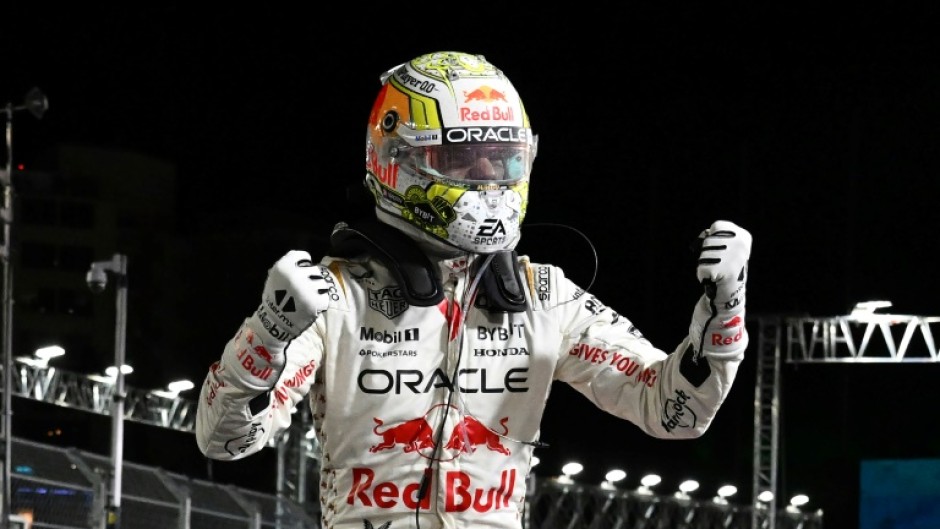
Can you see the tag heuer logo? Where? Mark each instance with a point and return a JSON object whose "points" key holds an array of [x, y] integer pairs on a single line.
{"points": [[388, 301]]}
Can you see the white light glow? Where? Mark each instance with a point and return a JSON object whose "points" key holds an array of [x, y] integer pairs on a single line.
{"points": [[180, 385], [49, 352], [726, 491], [615, 475], [32, 361], [689, 485], [111, 371], [799, 500], [571, 469]]}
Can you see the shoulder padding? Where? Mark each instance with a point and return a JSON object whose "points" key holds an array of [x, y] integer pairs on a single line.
{"points": [[421, 285], [502, 287]]}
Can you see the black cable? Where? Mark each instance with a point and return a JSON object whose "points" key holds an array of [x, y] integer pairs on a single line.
{"points": [[583, 236], [462, 316], [424, 486]]}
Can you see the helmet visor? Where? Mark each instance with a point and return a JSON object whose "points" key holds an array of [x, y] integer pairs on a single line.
{"points": [[489, 163]]}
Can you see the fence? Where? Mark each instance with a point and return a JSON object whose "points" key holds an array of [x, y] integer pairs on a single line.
{"points": [[556, 505], [66, 488], [63, 488]]}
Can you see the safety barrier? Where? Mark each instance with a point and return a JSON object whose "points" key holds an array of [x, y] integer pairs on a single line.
{"points": [[65, 488], [557, 505]]}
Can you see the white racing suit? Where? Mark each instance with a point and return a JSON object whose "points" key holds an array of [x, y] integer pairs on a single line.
{"points": [[401, 392]]}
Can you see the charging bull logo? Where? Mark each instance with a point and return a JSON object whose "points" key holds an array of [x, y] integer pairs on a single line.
{"points": [[414, 434], [470, 433], [417, 435], [484, 93]]}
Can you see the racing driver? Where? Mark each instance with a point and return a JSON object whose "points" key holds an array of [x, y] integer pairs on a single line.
{"points": [[426, 345]]}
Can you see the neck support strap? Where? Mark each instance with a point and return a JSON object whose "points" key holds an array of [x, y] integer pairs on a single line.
{"points": [[501, 285]]}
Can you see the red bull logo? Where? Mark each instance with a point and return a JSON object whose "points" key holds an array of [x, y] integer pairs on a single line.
{"points": [[484, 93], [213, 384], [417, 435], [248, 361], [719, 339], [491, 113], [414, 434], [461, 494], [387, 174], [733, 322], [471, 433]]}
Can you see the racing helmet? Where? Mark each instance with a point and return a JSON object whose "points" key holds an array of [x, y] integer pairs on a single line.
{"points": [[449, 150]]}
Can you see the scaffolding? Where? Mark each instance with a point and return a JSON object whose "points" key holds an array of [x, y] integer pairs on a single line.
{"points": [[95, 394], [863, 336]]}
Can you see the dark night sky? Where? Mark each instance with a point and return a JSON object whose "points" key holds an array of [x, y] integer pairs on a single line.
{"points": [[817, 130]]}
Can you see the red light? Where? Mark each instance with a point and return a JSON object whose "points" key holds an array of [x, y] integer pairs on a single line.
{"points": [[20, 167]]}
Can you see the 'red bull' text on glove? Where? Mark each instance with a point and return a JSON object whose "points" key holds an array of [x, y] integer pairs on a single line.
{"points": [[717, 327], [295, 292]]}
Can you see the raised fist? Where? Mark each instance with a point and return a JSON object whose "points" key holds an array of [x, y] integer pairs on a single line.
{"points": [[296, 291], [717, 325], [722, 263]]}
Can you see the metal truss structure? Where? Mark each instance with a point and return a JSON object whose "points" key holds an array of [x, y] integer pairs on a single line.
{"points": [[863, 336], [94, 394], [553, 504]]}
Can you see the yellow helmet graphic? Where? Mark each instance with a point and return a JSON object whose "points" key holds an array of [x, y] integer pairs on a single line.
{"points": [[449, 151]]}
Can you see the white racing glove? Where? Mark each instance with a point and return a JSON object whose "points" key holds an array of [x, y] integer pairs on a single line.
{"points": [[717, 327], [296, 291]]}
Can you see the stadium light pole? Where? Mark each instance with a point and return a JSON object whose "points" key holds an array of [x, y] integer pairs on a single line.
{"points": [[97, 279], [36, 103]]}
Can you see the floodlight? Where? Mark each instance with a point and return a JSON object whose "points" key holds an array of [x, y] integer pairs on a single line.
{"points": [[180, 385], [612, 476], [49, 352], [647, 483], [572, 468], [724, 492], [112, 371], [687, 486], [799, 500]]}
